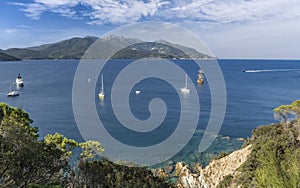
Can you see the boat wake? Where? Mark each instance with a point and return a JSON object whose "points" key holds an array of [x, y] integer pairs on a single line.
{"points": [[271, 70]]}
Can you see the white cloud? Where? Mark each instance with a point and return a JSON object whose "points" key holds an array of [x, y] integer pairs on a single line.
{"points": [[99, 11], [10, 31], [228, 11], [121, 11]]}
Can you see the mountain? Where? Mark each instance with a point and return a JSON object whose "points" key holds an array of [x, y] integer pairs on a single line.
{"points": [[72, 48], [6, 57], [23, 53], [158, 50], [108, 47], [190, 52]]}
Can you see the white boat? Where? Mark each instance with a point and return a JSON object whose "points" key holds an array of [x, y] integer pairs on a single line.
{"points": [[19, 81], [137, 92], [101, 95], [13, 94], [185, 89]]}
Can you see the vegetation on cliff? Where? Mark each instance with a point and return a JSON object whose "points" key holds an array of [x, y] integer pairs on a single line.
{"points": [[117, 46], [275, 157], [270, 158], [27, 161]]}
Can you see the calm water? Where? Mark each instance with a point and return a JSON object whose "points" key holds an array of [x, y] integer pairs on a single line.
{"points": [[251, 96]]}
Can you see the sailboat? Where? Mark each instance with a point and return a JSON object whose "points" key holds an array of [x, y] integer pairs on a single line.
{"points": [[12, 93], [101, 94], [185, 89], [200, 79]]}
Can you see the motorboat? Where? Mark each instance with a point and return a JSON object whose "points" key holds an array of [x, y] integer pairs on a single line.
{"points": [[19, 81]]}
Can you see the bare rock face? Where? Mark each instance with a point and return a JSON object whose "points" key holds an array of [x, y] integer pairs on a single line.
{"points": [[213, 174]]}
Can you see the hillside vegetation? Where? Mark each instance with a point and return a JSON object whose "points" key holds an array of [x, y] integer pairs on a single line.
{"points": [[116, 47], [27, 161], [6, 57], [270, 158]]}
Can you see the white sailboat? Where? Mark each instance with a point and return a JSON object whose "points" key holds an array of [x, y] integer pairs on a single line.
{"points": [[101, 94], [185, 89], [12, 93]]}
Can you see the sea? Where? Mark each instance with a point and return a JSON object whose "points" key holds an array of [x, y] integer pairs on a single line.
{"points": [[253, 89]]}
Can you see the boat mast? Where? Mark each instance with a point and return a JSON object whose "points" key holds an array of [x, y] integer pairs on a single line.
{"points": [[186, 81], [102, 87]]}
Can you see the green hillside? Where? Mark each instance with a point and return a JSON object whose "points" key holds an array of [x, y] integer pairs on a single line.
{"points": [[112, 46], [6, 57]]}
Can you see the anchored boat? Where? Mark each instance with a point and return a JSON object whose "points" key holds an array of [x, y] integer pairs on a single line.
{"points": [[185, 89], [200, 79], [101, 95], [19, 81]]}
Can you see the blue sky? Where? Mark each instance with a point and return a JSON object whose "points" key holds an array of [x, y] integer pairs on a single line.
{"points": [[230, 28]]}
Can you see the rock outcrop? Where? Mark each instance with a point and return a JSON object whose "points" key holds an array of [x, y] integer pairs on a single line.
{"points": [[214, 173], [1, 116]]}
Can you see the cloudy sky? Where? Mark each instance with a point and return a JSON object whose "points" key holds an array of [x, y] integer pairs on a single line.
{"points": [[230, 28]]}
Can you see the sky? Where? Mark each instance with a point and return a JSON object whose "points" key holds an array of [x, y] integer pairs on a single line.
{"points": [[256, 29]]}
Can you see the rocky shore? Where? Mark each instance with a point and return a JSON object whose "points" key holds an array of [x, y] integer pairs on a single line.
{"points": [[214, 173]]}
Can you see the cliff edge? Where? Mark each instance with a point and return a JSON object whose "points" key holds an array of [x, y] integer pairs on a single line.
{"points": [[214, 173]]}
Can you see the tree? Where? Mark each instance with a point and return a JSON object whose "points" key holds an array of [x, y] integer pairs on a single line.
{"points": [[18, 117], [90, 150], [283, 113], [26, 160], [64, 144]]}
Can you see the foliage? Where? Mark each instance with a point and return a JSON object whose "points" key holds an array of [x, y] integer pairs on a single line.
{"points": [[62, 143], [271, 152], [103, 173], [225, 182], [18, 117], [90, 150], [285, 111], [27, 161], [276, 172]]}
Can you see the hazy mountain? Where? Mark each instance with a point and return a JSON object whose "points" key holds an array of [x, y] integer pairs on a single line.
{"points": [[5, 57], [112, 46], [108, 46], [191, 52], [23, 53], [72, 48], [158, 50]]}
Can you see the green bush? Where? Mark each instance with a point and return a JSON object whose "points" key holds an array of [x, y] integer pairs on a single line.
{"points": [[274, 149]]}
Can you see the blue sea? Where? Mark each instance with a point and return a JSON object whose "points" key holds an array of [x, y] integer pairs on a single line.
{"points": [[254, 88]]}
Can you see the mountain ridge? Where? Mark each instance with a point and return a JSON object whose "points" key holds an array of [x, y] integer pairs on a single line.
{"points": [[112, 46], [6, 57]]}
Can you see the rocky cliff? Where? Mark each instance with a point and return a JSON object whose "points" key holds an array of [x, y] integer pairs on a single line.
{"points": [[214, 173], [1, 116]]}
